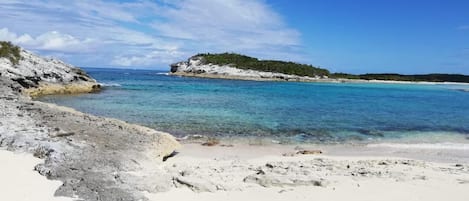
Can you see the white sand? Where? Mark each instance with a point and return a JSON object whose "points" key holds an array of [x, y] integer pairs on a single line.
{"points": [[19, 182], [415, 180], [372, 190], [229, 165]]}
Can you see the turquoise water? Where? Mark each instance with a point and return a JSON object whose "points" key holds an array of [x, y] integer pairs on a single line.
{"points": [[286, 111]]}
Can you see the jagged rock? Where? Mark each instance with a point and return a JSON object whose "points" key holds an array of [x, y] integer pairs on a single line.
{"points": [[42, 152], [83, 151], [283, 181], [211, 142], [309, 152], [303, 152], [42, 76], [197, 185]]}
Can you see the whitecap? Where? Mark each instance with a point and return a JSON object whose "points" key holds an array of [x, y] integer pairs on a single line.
{"points": [[110, 84]]}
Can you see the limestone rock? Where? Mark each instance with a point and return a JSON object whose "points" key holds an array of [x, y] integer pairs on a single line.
{"points": [[42, 76], [195, 67]]}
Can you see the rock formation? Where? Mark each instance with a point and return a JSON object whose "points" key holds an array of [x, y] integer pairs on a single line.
{"points": [[41, 76], [196, 67], [96, 158]]}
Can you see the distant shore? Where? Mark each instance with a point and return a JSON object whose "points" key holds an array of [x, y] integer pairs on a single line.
{"points": [[242, 67], [325, 80]]}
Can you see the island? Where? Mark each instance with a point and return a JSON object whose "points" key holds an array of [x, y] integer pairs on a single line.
{"points": [[237, 66]]}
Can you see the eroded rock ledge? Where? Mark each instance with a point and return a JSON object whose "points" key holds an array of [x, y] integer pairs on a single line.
{"points": [[41, 76], [96, 158]]}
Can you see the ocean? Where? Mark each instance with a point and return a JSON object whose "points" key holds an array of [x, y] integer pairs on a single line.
{"points": [[287, 112]]}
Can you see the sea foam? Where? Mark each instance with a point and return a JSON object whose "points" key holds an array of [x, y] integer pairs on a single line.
{"points": [[110, 84]]}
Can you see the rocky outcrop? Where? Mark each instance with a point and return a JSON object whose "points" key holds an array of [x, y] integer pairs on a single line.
{"points": [[96, 158], [41, 76], [196, 67]]}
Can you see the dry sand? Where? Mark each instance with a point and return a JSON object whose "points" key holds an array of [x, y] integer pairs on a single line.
{"points": [[19, 181], [354, 176], [247, 172], [371, 190]]}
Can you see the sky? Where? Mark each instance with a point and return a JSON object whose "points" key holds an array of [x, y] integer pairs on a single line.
{"points": [[359, 36]]}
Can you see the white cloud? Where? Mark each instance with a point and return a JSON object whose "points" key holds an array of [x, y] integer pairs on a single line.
{"points": [[229, 24], [147, 33], [148, 59], [166, 56], [49, 41]]}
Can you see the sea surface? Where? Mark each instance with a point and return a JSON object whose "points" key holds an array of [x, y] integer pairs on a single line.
{"points": [[286, 112]]}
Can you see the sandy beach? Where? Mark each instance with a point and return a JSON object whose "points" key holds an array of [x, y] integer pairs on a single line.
{"points": [[19, 181], [265, 173], [277, 173]]}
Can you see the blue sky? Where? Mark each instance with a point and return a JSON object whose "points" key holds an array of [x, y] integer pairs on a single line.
{"points": [[358, 36]]}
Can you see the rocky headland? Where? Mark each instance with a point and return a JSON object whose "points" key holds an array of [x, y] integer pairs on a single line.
{"points": [[44, 76], [96, 158]]}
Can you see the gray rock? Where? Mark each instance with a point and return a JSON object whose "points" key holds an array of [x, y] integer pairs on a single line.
{"points": [[85, 152], [196, 184]]}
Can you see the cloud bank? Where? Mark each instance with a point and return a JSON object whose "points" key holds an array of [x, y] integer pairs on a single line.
{"points": [[147, 33]]}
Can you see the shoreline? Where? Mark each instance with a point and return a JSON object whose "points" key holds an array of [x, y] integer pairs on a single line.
{"points": [[376, 150], [66, 89], [85, 151], [264, 173], [314, 80]]}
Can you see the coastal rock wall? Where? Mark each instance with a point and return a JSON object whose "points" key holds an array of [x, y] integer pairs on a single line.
{"points": [[195, 67], [96, 158], [42, 76]]}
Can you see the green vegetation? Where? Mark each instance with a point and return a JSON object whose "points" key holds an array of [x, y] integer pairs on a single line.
{"points": [[245, 62], [399, 77], [292, 68], [10, 51]]}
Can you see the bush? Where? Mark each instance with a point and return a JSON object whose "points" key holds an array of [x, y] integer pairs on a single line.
{"points": [[10, 51]]}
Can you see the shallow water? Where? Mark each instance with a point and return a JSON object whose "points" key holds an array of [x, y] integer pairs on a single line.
{"points": [[284, 111]]}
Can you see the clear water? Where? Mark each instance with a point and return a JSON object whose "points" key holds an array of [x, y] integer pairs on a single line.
{"points": [[286, 111]]}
